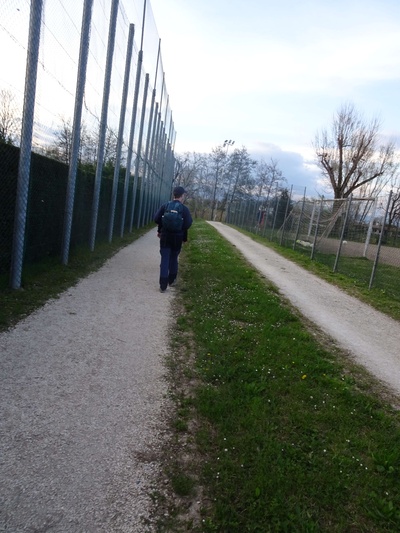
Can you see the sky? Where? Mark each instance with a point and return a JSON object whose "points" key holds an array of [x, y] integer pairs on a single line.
{"points": [[270, 74]]}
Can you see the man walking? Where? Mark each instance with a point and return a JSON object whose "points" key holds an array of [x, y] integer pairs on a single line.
{"points": [[173, 220]]}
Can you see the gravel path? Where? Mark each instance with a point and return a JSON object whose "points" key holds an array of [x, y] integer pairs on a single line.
{"points": [[82, 392], [370, 336], [83, 388]]}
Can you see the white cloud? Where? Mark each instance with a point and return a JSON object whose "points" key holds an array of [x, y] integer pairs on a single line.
{"points": [[267, 74]]}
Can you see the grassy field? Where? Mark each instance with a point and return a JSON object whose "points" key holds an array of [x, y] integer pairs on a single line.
{"points": [[285, 435]]}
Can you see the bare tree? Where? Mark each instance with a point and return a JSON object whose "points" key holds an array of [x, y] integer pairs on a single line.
{"points": [[350, 155], [268, 176], [202, 186], [63, 143], [239, 179], [193, 173], [8, 119], [110, 147], [87, 146], [188, 166], [63, 146], [217, 159], [394, 208]]}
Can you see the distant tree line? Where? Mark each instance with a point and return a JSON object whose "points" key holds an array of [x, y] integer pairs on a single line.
{"points": [[220, 179], [9, 123], [61, 149]]}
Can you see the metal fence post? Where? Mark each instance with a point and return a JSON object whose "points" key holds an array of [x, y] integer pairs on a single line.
{"points": [[158, 161], [274, 217], [162, 160], [138, 151], [76, 128], [277, 200], [342, 233], [151, 161], [131, 137], [158, 185], [267, 202], [370, 227], [311, 220], [120, 140], [286, 212], [380, 241], [314, 246], [103, 121], [298, 225], [145, 179], [24, 166], [150, 152]]}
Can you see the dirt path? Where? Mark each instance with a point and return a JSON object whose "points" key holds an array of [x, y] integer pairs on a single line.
{"points": [[82, 397], [372, 337], [387, 254]]}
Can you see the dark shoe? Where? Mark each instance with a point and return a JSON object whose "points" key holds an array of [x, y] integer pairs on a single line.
{"points": [[163, 284]]}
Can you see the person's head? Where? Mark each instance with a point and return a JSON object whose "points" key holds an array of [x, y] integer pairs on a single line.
{"points": [[178, 193]]}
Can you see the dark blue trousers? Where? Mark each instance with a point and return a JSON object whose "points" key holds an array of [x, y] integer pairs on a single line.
{"points": [[170, 247], [169, 264]]}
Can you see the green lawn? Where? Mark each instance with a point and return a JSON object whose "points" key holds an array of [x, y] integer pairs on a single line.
{"points": [[286, 435]]}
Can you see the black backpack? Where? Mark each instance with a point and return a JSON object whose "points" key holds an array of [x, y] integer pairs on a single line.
{"points": [[172, 219]]}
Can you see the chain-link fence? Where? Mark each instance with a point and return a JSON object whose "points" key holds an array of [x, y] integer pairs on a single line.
{"points": [[86, 129], [352, 236]]}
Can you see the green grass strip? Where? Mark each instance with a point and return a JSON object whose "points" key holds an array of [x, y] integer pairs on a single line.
{"points": [[292, 438]]}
